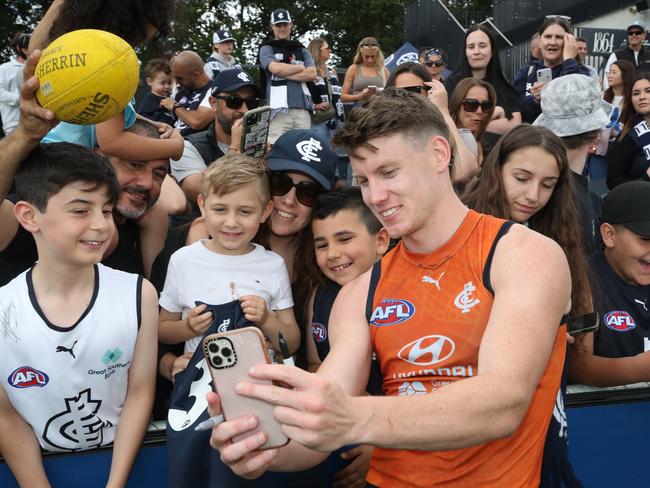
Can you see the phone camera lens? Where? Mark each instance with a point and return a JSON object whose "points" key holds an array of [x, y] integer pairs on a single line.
{"points": [[213, 348], [226, 352], [218, 360]]}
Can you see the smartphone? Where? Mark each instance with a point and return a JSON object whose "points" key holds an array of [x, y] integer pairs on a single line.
{"points": [[255, 131], [582, 324], [229, 356], [544, 75], [372, 88]]}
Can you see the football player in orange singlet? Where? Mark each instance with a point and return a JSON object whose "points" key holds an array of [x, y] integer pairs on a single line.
{"points": [[463, 315]]}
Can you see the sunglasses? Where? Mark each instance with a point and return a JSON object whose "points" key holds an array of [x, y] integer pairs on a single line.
{"points": [[234, 102], [472, 105], [635, 33], [437, 64], [369, 45], [415, 89], [306, 191]]}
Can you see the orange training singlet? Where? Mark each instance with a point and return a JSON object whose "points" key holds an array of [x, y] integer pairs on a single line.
{"points": [[427, 319]]}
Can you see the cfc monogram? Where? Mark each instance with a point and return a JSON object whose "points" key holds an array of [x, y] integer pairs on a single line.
{"points": [[464, 300], [308, 149]]}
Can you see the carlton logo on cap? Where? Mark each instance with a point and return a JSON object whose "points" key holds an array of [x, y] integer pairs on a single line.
{"points": [[308, 149], [280, 15], [244, 77]]}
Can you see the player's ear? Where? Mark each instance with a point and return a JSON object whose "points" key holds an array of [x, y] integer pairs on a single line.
{"points": [[383, 240], [439, 148], [268, 208], [26, 215]]}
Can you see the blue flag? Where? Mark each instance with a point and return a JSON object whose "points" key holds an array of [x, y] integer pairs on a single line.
{"points": [[404, 54]]}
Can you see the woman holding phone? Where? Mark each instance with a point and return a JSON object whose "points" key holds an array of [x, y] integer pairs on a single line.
{"points": [[559, 50], [367, 72]]}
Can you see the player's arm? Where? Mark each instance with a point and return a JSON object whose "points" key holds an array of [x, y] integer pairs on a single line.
{"points": [[587, 368], [347, 365], [40, 36], [313, 359], [196, 119], [113, 140], [140, 392], [19, 447]]}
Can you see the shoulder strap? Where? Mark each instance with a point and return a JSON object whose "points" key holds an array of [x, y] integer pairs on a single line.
{"points": [[505, 227], [372, 287]]}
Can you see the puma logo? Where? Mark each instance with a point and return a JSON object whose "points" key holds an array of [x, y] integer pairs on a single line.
{"points": [[65, 349], [642, 304], [428, 279]]}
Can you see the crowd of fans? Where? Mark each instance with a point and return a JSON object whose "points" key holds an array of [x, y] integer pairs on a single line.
{"points": [[155, 223]]}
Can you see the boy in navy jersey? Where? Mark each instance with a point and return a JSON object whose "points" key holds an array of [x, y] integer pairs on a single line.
{"points": [[618, 352], [348, 240], [78, 342]]}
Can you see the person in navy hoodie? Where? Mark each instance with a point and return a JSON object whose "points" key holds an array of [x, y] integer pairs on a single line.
{"points": [[559, 49]]}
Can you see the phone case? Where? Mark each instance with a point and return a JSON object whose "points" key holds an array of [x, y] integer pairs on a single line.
{"points": [[544, 75], [229, 356], [255, 131]]}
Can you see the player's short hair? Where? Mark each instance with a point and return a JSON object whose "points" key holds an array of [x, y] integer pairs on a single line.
{"points": [[333, 202], [233, 171], [392, 111], [157, 65], [50, 167]]}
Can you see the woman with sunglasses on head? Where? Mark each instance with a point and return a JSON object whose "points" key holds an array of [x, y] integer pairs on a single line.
{"points": [[627, 158], [481, 61], [471, 106], [559, 49], [526, 179], [325, 91], [435, 61], [367, 72], [414, 77]]}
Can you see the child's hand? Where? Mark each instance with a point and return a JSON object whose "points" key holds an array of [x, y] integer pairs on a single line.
{"points": [[167, 103], [254, 309], [165, 130], [197, 321], [180, 363]]}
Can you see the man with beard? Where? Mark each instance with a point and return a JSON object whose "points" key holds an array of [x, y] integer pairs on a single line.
{"points": [[141, 182], [233, 94], [190, 103]]}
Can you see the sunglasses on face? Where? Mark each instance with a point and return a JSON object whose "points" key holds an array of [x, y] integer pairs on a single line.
{"points": [[369, 45], [234, 102], [472, 105], [306, 191], [635, 33], [437, 64], [415, 89]]}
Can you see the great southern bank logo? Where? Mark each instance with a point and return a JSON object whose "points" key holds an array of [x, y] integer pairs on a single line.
{"points": [[391, 312]]}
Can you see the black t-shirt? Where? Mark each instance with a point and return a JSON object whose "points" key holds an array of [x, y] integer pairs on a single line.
{"points": [[150, 107], [624, 317], [590, 211], [191, 100]]}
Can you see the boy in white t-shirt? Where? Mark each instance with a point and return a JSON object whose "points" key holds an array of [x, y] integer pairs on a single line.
{"points": [[235, 200]]}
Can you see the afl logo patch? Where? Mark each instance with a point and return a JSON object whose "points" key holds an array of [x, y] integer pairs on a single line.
{"points": [[319, 331], [620, 321], [391, 312], [26, 377]]}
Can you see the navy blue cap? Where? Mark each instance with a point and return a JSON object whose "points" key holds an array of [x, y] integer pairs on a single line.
{"points": [[280, 15], [231, 80], [304, 151]]}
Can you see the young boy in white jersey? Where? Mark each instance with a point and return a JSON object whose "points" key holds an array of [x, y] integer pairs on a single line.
{"points": [[234, 201], [78, 342]]}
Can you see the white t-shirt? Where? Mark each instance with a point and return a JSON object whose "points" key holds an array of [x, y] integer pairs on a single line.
{"points": [[196, 273]]}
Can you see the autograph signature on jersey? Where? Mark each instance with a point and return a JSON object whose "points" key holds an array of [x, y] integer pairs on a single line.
{"points": [[8, 323]]}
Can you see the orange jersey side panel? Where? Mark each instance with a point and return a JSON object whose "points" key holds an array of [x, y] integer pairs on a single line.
{"points": [[429, 314]]}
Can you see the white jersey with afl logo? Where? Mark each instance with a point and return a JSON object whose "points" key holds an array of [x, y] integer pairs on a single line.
{"points": [[70, 384]]}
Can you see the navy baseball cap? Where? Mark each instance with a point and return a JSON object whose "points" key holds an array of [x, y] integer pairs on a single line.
{"points": [[231, 80], [629, 205], [304, 151], [280, 15], [222, 36]]}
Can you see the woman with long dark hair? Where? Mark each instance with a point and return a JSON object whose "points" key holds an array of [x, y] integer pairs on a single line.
{"points": [[559, 50], [480, 60], [627, 158]]}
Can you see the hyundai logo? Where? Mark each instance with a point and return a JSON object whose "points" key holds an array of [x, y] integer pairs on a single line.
{"points": [[428, 350]]}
